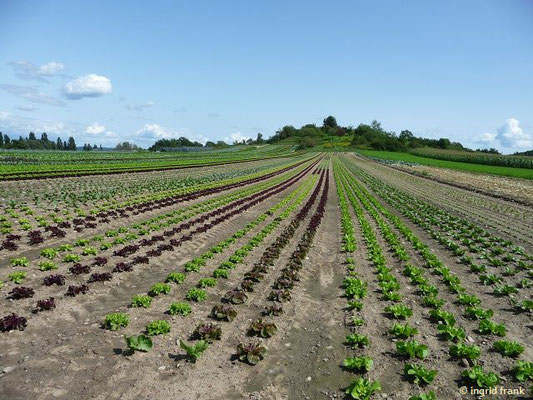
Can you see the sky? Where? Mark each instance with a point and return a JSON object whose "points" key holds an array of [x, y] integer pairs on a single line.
{"points": [[110, 71]]}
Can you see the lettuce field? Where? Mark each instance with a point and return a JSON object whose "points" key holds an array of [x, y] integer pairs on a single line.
{"points": [[266, 274]]}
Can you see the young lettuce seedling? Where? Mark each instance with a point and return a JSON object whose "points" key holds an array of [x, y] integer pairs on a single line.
{"points": [[508, 349], [141, 301], [115, 321], [159, 327], [403, 331], [358, 340], [12, 322], [194, 351], [488, 327], [180, 308], [176, 277], [208, 332], [223, 312], [476, 376], [418, 374], [362, 389], [159, 288], [17, 276], [399, 311], [251, 353], [263, 328], [424, 396], [139, 343], [362, 363], [412, 349], [461, 350], [196, 294], [523, 370]]}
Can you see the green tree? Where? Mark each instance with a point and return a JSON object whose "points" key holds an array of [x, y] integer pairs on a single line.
{"points": [[376, 125], [259, 139], [1, 140], [44, 137], [306, 142], [71, 143], [330, 122], [444, 143], [126, 146], [7, 140], [406, 137]]}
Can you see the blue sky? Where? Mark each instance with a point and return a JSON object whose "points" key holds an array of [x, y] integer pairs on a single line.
{"points": [[107, 71]]}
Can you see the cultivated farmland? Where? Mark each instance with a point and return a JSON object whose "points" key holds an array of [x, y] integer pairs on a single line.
{"points": [[266, 274]]}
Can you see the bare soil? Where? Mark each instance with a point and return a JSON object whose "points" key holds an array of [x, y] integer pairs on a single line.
{"points": [[66, 354]]}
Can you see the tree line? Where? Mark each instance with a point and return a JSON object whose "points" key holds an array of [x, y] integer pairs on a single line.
{"points": [[32, 143], [166, 144]]}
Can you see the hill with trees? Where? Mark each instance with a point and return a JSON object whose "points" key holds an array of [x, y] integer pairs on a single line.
{"points": [[371, 137]]}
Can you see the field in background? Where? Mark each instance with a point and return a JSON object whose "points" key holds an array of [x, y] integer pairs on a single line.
{"points": [[23, 164], [463, 166], [476, 157]]}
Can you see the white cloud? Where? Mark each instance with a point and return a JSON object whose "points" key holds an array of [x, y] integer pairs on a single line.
{"points": [[51, 68], [91, 85], [509, 135], [27, 107], [95, 129], [235, 137], [29, 71], [487, 138], [140, 107], [31, 94], [15, 125], [57, 127], [155, 131]]}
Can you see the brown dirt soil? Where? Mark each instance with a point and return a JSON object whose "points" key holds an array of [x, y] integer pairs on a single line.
{"points": [[65, 354]]}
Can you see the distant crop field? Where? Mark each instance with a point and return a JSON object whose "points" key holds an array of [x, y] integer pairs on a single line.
{"points": [[463, 166], [476, 157], [24, 164]]}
